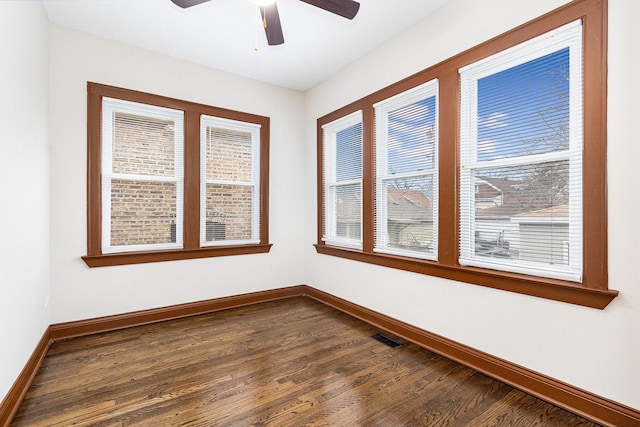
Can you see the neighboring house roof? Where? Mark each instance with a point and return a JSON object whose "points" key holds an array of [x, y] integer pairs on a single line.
{"points": [[408, 206], [486, 189], [349, 206], [555, 214], [518, 197], [404, 206], [491, 188]]}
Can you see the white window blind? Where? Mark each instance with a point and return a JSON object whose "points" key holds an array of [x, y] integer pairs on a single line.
{"points": [[406, 216], [342, 202], [229, 182], [521, 158], [142, 177]]}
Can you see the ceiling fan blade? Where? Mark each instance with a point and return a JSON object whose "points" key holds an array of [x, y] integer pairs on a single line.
{"points": [[188, 3], [271, 22], [345, 8]]}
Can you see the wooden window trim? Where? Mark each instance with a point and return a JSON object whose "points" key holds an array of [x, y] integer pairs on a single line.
{"points": [[593, 292], [191, 242]]}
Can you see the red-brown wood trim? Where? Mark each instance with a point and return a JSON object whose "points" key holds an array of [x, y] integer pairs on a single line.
{"points": [[581, 402], [265, 141], [448, 129], [368, 175], [320, 181], [552, 289], [595, 153], [177, 104], [586, 404], [11, 403], [94, 184], [126, 258], [191, 208], [65, 330], [593, 14]]}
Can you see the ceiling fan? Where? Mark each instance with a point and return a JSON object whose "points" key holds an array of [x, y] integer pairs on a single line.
{"points": [[271, 20]]}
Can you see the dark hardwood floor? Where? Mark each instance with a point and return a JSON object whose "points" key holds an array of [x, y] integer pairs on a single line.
{"points": [[293, 362]]}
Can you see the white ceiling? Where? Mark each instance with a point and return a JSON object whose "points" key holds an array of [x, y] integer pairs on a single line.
{"points": [[222, 34]]}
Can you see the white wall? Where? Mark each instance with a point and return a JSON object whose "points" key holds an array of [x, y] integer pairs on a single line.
{"points": [[79, 292], [598, 350], [24, 160], [593, 349]]}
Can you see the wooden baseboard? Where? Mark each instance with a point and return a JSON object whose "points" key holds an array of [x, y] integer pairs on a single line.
{"points": [[59, 331], [126, 320], [581, 402], [14, 397], [578, 401]]}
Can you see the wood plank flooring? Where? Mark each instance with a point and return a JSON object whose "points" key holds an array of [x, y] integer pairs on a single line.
{"points": [[294, 362]]}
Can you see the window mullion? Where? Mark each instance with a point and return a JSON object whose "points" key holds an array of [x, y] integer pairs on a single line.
{"points": [[191, 227], [448, 158], [368, 180]]}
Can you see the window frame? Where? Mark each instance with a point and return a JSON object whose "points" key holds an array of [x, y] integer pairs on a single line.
{"points": [[568, 36], [593, 291], [381, 114], [235, 125], [110, 106], [331, 183], [191, 248]]}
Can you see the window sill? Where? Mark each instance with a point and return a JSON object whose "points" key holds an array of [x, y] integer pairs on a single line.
{"points": [[172, 255], [552, 289]]}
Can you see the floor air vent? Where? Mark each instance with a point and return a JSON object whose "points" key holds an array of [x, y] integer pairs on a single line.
{"points": [[386, 340]]}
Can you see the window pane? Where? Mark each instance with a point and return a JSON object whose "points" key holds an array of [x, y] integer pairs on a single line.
{"points": [[525, 109], [348, 205], [522, 213], [411, 137], [405, 221], [521, 158], [143, 145], [229, 206], [228, 155], [229, 211], [342, 181], [142, 212], [409, 213], [349, 153]]}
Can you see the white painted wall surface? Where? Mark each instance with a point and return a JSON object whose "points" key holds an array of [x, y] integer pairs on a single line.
{"points": [[24, 160], [597, 350], [79, 292]]}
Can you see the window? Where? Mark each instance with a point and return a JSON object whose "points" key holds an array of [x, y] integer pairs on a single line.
{"points": [[230, 182], [489, 167], [343, 181], [142, 177], [407, 173], [521, 158], [170, 179]]}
